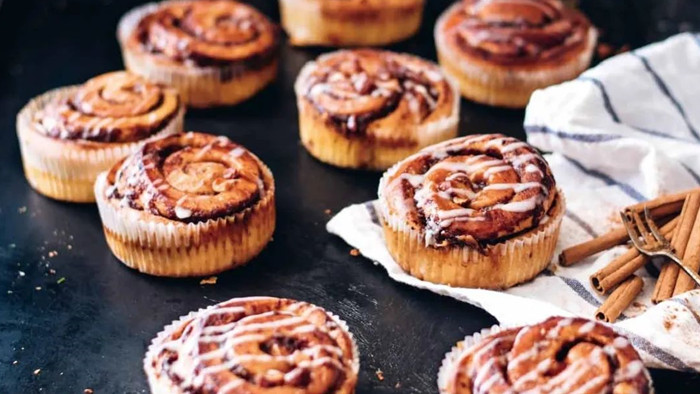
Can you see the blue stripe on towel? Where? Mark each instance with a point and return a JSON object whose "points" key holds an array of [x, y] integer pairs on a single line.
{"points": [[667, 92], [627, 188], [571, 136], [581, 223], [372, 211], [655, 351], [613, 114], [692, 173]]}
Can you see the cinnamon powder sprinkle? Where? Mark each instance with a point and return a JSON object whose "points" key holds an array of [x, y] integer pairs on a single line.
{"points": [[208, 281], [354, 252]]}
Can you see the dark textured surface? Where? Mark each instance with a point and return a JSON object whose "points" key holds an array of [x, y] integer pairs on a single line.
{"points": [[92, 329]]}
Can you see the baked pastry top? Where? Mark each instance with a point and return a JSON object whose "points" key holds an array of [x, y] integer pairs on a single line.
{"points": [[473, 190], [205, 34], [255, 345], [376, 93], [516, 32], [190, 177], [559, 355], [113, 107]]}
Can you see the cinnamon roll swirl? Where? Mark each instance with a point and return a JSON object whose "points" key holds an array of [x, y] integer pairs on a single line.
{"points": [[559, 355], [500, 51], [187, 205], [369, 108], [69, 135], [254, 345], [478, 211], [216, 52], [344, 23]]}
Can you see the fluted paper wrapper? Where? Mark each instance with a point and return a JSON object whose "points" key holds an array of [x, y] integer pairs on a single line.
{"points": [[67, 169], [199, 86], [155, 345], [163, 247]]}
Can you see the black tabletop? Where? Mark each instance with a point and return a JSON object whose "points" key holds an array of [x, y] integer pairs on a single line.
{"points": [[72, 317]]}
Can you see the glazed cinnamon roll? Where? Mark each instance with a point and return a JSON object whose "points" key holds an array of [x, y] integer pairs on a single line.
{"points": [[69, 135], [216, 52], [478, 211], [369, 108], [350, 22], [254, 345], [559, 355], [187, 205], [500, 51]]}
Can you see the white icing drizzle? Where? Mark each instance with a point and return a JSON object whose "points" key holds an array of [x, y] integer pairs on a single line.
{"points": [[587, 328], [520, 206], [241, 332], [531, 168], [516, 187], [180, 212]]}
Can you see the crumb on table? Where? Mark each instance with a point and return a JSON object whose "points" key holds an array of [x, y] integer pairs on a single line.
{"points": [[209, 281], [380, 375], [354, 252]]}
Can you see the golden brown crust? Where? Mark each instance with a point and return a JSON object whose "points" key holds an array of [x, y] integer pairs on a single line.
{"points": [[189, 177], [557, 355], [350, 22], [212, 33], [516, 33], [473, 190], [114, 107], [254, 345], [369, 108]]}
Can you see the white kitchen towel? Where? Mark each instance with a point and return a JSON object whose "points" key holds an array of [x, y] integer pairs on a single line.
{"points": [[625, 131]]}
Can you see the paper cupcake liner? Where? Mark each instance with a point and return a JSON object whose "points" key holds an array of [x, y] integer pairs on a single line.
{"points": [[328, 145], [158, 246], [199, 86], [512, 86], [307, 25], [505, 264], [154, 346], [67, 169], [452, 357]]}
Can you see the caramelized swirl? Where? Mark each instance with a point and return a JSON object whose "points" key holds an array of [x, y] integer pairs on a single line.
{"points": [[471, 190], [516, 31], [355, 89], [256, 345], [207, 33], [556, 356], [189, 177], [113, 107]]}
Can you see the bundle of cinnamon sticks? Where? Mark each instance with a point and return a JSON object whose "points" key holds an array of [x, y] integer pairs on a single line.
{"points": [[679, 219]]}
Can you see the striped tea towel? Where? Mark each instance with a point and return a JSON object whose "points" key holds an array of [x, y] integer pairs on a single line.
{"points": [[625, 131]]}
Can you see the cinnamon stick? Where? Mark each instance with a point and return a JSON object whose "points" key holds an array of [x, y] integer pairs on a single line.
{"points": [[620, 299], [668, 277], [691, 258], [622, 267], [666, 204], [572, 255]]}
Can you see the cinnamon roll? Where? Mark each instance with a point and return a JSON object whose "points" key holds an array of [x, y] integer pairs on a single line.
{"points": [[559, 355], [69, 135], [500, 51], [343, 23], [216, 52], [190, 204], [369, 108], [254, 345], [478, 211]]}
